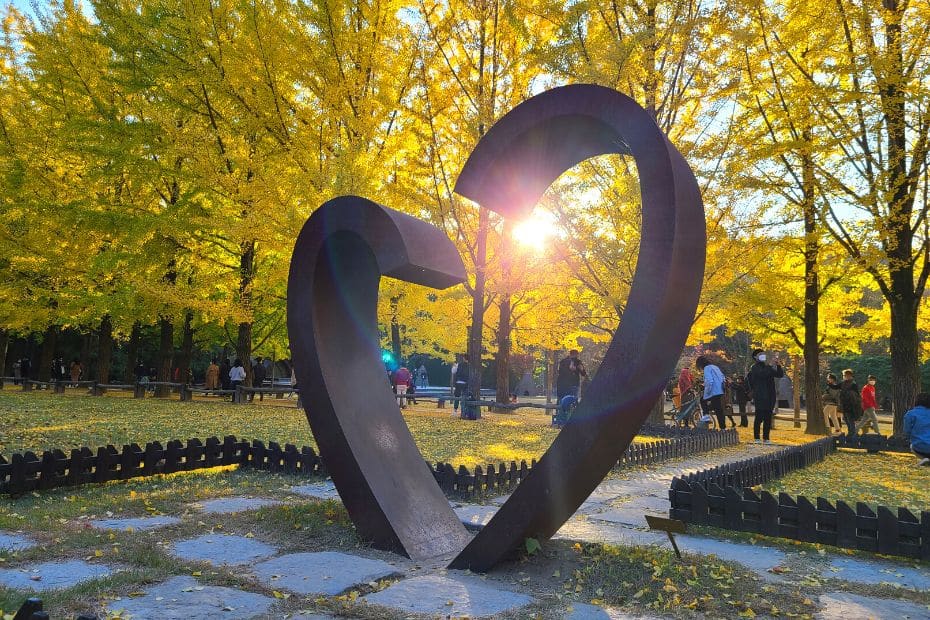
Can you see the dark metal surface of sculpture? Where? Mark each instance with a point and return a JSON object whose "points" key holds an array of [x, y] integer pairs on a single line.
{"points": [[332, 295], [341, 253]]}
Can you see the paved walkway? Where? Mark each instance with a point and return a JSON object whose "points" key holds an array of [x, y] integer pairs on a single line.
{"points": [[614, 514]]}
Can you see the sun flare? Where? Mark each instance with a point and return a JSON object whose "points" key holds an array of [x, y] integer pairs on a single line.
{"points": [[535, 231]]}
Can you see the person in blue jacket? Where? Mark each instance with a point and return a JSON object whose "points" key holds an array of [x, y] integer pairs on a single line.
{"points": [[917, 427]]}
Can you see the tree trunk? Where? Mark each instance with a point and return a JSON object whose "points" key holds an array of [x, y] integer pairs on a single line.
{"points": [[904, 299], [49, 342], [815, 425], [87, 341], [187, 348], [244, 336], [504, 327], [476, 331], [657, 415], [905, 373], [503, 351], [4, 345], [396, 349], [105, 350], [132, 353], [165, 355], [551, 364]]}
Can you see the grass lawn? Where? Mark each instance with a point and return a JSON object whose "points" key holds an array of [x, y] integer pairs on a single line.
{"points": [[41, 420], [887, 479]]}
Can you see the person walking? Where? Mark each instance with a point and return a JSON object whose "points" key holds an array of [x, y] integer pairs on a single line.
{"points": [[869, 406], [741, 395], [212, 381], [236, 376], [761, 382], [714, 389], [850, 402], [917, 428], [831, 401]]}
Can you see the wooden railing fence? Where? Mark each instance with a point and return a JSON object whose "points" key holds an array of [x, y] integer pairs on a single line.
{"points": [[721, 497]]}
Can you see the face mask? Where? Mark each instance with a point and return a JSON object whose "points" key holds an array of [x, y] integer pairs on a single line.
{"points": [[761, 357]]}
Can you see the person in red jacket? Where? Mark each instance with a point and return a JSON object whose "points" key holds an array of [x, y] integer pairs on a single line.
{"points": [[869, 406], [402, 378]]}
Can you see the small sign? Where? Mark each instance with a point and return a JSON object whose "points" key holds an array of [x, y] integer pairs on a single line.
{"points": [[669, 526]]}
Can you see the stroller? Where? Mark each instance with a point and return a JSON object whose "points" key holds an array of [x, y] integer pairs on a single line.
{"points": [[566, 408]]}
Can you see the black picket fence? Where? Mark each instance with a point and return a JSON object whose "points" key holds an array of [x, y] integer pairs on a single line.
{"points": [[721, 497], [766, 467], [666, 431], [873, 443], [486, 482], [28, 472]]}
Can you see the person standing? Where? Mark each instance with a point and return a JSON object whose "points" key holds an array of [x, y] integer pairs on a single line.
{"points": [[25, 368], [685, 395], [741, 394], [831, 401], [917, 428], [402, 379], [236, 376], [76, 372], [568, 379], [460, 371], [224, 373], [761, 382], [714, 389], [212, 381], [17, 372], [850, 402], [258, 379], [869, 405]]}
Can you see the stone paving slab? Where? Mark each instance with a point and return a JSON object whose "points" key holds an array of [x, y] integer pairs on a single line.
{"points": [[11, 541], [845, 606], [226, 505], [609, 533], [318, 490], [328, 572], [52, 575], [584, 611], [862, 570], [184, 598], [474, 516], [135, 523], [222, 549], [757, 558], [633, 516], [450, 595]]}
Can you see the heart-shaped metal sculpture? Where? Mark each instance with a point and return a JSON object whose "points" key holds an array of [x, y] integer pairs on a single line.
{"points": [[349, 242]]}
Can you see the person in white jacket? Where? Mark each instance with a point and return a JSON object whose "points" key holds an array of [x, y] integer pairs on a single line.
{"points": [[712, 402], [236, 375]]}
